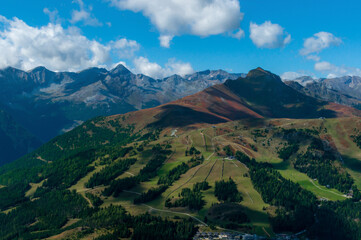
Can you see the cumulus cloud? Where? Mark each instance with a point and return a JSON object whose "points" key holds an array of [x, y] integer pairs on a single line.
{"points": [[195, 17], [317, 43], [54, 47], [269, 35], [291, 75], [165, 40], [152, 69], [324, 66], [320, 41], [84, 15], [333, 71], [124, 48]]}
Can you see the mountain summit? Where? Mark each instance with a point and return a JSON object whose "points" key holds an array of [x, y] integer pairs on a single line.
{"points": [[261, 94]]}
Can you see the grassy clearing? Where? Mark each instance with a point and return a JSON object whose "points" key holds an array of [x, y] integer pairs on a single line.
{"points": [[194, 175], [65, 234], [307, 183], [269, 159], [9, 210], [200, 142], [167, 167], [208, 142], [133, 170], [71, 222], [252, 200], [79, 187], [125, 199], [32, 190]]}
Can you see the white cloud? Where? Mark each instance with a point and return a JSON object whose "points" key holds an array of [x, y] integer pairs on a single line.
{"points": [[124, 48], [333, 71], [324, 66], [165, 40], [84, 15], [114, 65], [269, 35], [312, 46], [313, 57], [195, 17], [54, 47], [238, 34], [144, 66], [319, 42], [177, 67], [53, 15], [291, 75]]}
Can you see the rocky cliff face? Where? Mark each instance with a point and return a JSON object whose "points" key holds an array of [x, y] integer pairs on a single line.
{"points": [[344, 90]]}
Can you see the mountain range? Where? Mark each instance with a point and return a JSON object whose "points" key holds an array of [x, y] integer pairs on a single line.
{"points": [[252, 155], [343, 90], [47, 103], [260, 94]]}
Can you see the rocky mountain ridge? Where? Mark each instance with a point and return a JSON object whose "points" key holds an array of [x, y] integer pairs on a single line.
{"points": [[343, 90], [48, 103], [45, 104]]}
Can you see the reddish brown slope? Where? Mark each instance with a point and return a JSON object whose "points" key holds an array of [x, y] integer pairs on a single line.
{"points": [[261, 94], [213, 105]]}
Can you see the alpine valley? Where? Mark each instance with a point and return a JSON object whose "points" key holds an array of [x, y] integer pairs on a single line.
{"points": [[249, 155]]}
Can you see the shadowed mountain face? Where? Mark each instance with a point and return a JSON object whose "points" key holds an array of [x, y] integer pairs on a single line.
{"points": [[269, 96], [181, 116], [47, 103], [15, 141], [260, 94]]}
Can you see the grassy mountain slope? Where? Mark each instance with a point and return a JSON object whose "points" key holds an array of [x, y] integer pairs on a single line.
{"points": [[177, 161], [260, 94]]}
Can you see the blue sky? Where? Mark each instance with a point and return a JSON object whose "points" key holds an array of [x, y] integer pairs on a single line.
{"points": [[302, 37]]}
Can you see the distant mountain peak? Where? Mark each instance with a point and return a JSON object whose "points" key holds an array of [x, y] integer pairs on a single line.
{"points": [[205, 72], [261, 76], [260, 69], [38, 69], [259, 72], [120, 69], [11, 69]]}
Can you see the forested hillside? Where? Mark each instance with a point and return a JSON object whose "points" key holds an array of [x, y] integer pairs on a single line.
{"points": [[123, 175]]}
